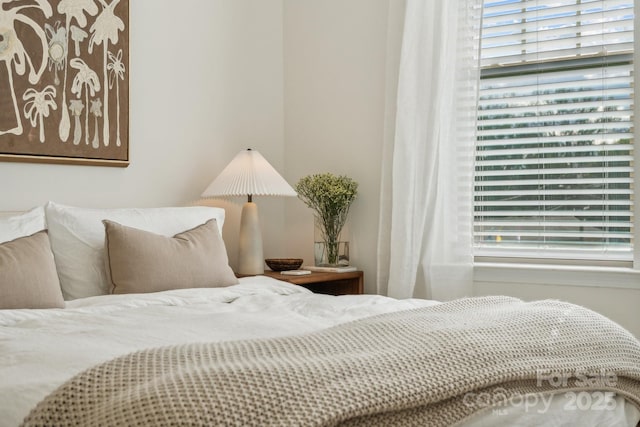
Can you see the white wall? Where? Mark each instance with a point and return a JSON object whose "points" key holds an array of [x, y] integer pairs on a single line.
{"points": [[334, 71], [205, 82]]}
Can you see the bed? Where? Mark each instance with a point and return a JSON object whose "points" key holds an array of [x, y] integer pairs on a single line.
{"points": [[259, 351]]}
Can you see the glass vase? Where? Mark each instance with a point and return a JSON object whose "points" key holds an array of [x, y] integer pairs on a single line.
{"points": [[331, 254], [330, 250]]}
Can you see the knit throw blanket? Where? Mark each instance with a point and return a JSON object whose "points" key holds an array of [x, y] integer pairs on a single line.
{"points": [[425, 366]]}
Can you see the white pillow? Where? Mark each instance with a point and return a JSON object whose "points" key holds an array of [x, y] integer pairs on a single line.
{"points": [[22, 225], [77, 238]]}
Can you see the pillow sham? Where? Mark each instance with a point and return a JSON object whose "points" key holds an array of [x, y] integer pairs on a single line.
{"points": [[28, 277], [22, 225], [78, 235], [139, 261]]}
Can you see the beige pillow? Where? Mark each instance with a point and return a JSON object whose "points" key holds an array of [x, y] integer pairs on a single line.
{"points": [[28, 277], [139, 261]]}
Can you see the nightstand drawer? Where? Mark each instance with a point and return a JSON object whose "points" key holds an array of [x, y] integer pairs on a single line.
{"points": [[350, 283]]}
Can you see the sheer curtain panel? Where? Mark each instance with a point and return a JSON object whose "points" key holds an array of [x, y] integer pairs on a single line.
{"points": [[425, 233]]}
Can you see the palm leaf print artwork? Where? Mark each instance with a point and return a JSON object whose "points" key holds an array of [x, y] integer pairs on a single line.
{"points": [[62, 61], [72, 9], [97, 112], [57, 38], [38, 106], [14, 55], [75, 107], [103, 31], [116, 72], [86, 80]]}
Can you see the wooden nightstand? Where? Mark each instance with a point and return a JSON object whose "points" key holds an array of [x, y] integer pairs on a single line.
{"points": [[351, 283]]}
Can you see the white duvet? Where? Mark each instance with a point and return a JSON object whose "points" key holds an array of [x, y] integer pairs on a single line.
{"points": [[41, 349]]}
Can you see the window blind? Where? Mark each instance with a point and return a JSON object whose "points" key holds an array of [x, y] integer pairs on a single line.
{"points": [[554, 151]]}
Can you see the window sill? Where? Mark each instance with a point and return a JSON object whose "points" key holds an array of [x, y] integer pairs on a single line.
{"points": [[557, 275]]}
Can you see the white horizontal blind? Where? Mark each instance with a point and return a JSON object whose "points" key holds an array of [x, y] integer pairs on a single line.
{"points": [[554, 152]]}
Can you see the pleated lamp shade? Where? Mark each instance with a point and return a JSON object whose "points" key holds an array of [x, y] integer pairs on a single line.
{"points": [[249, 174]]}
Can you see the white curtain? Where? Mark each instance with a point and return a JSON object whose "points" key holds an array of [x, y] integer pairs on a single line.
{"points": [[425, 232]]}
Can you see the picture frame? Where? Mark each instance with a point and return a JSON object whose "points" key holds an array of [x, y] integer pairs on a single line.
{"points": [[64, 82]]}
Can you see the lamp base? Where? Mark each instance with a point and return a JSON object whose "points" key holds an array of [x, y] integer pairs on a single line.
{"points": [[250, 255]]}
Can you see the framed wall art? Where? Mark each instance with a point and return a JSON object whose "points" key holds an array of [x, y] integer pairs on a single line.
{"points": [[64, 81]]}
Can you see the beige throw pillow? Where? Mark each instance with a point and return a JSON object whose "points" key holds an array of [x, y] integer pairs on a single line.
{"points": [[139, 261], [28, 277], [77, 239]]}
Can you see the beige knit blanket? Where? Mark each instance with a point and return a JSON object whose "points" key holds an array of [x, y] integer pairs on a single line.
{"points": [[423, 367]]}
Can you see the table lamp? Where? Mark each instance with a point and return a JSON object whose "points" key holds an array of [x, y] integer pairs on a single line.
{"points": [[249, 174]]}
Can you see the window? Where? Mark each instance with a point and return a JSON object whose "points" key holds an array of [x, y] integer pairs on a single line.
{"points": [[554, 150]]}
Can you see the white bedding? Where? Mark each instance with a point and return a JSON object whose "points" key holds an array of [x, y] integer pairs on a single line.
{"points": [[41, 349]]}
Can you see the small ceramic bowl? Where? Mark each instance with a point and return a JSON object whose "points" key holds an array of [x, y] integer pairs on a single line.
{"points": [[283, 264]]}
